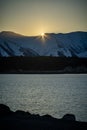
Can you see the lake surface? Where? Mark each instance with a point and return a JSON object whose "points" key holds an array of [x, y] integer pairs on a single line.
{"points": [[54, 94]]}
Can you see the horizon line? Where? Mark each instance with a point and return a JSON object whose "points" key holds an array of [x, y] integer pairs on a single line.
{"points": [[17, 33]]}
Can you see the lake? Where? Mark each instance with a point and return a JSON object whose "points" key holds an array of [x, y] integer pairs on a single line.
{"points": [[54, 94]]}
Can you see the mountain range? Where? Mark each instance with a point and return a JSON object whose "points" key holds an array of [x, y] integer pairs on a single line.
{"points": [[72, 44]]}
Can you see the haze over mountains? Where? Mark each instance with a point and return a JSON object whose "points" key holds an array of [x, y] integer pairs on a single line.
{"points": [[72, 44]]}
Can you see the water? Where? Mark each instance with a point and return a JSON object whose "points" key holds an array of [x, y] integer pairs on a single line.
{"points": [[55, 94]]}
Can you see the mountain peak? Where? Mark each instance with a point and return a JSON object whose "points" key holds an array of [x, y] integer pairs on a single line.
{"points": [[9, 34]]}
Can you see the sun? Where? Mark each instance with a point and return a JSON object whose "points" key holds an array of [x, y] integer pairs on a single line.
{"points": [[43, 37], [42, 34]]}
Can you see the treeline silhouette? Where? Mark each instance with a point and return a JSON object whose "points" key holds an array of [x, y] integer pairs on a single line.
{"points": [[27, 64]]}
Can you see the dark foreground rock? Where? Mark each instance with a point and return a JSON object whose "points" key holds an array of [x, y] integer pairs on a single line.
{"points": [[21, 120]]}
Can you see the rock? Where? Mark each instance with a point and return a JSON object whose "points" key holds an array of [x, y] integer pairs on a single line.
{"points": [[4, 110], [21, 120], [70, 117]]}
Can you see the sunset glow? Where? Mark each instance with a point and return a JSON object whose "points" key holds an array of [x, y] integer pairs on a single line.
{"points": [[42, 34], [30, 17]]}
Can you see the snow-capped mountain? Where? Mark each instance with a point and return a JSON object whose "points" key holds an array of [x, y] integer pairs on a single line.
{"points": [[72, 44]]}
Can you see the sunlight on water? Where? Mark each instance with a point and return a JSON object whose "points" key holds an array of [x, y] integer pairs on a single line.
{"points": [[55, 94]]}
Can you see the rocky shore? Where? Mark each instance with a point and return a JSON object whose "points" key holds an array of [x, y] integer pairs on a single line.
{"points": [[20, 120]]}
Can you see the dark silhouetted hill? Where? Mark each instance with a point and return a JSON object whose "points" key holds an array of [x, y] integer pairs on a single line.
{"points": [[43, 65]]}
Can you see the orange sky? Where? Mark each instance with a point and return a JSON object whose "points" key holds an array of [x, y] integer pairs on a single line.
{"points": [[32, 17]]}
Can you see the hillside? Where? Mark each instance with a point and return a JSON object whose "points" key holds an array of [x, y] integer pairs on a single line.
{"points": [[43, 65], [72, 44]]}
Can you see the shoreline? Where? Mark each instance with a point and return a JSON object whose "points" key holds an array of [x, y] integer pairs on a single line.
{"points": [[21, 120], [42, 72]]}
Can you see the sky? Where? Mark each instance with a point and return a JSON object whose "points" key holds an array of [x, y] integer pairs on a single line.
{"points": [[33, 17]]}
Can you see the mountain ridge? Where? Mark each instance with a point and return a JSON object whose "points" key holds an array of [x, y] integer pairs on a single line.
{"points": [[11, 32], [73, 44]]}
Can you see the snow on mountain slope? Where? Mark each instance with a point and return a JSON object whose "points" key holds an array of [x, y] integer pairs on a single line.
{"points": [[62, 45]]}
